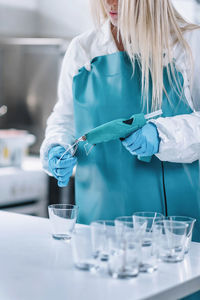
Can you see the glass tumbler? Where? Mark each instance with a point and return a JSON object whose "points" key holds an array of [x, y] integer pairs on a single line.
{"points": [[124, 251], [190, 222], [171, 239], [124, 225], [143, 222], [63, 219], [146, 219], [101, 230], [82, 249]]}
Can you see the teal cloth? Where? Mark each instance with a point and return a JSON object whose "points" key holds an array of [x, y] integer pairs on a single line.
{"points": [[110, 182], [115, 129]]}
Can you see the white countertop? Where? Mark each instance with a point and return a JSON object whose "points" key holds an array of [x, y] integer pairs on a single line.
{"points": [[34, 266]]}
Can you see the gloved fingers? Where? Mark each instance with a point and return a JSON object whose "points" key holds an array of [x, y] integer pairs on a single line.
{"points": [[132, 149], [136, 146], [56, 152], [144, 142], [63, 163], [63, 183], [131, 139], [52, 162], [148, 151], [66, 163], [143, 148], [64, 178], [67, 155], [62, 172]]}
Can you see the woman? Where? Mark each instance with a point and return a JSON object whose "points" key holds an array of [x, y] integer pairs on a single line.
{"points": [[143, 56]]}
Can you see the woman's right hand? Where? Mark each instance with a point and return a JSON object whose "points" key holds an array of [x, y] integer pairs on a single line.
{"points": [[61, 169]]}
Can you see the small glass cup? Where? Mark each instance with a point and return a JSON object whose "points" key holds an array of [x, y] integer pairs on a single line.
{"points": [[82, 249], [63, 219], [146, 219], [101, 230], [123, 225], [143, 223], [124, 252], [188, 220], [102, 233], [171, 240]]}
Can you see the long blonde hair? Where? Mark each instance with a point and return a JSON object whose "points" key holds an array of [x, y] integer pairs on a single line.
{"points": [[148, 29]]}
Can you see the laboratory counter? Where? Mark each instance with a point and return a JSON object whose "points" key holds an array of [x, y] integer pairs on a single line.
{"points": [[35, 266]]}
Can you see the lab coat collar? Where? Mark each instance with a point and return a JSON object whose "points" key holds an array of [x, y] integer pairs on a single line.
{"points": [[106, 37]]}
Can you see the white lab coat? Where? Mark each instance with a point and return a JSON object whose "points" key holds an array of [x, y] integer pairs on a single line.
{"points": [[180, 135]]}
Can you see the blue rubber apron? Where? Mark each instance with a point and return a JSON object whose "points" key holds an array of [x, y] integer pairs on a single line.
{"points": [[110, 182]]}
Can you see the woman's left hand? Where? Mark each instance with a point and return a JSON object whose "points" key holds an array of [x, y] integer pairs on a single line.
{"points": [[143, 142]]}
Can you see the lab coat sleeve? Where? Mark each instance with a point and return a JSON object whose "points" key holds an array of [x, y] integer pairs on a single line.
{"points": [[180, 138], [60, 124], [180, 135]]}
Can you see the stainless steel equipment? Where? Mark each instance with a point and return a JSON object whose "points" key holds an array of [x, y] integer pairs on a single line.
{"points": [[29, 75], [30, 69]]}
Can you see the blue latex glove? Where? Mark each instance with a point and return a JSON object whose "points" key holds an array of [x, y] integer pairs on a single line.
{"points": [[143, 142], [61, 170]]}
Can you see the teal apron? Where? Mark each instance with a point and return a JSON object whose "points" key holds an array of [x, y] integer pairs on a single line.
{"points": [[110, 182]]}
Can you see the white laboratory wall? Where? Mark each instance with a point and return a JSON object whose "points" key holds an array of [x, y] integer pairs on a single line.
{"points": [[26, 4], [63, 18], [67, 18], [18, 17]]}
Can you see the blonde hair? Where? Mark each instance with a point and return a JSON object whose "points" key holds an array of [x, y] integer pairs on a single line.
{"points": [[148, 29]]}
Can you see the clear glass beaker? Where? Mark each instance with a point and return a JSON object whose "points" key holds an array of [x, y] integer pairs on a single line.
{"points": [[82, 249], [101, 230], [124, 255], [143, 221], [63, 219], [171, 237], [188, 220]]}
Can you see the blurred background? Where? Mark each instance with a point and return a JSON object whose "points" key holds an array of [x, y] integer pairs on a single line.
{"points": [[34, 35]]}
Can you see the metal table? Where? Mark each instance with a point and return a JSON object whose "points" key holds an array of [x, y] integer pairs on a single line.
{"points": [[34, 266]]}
